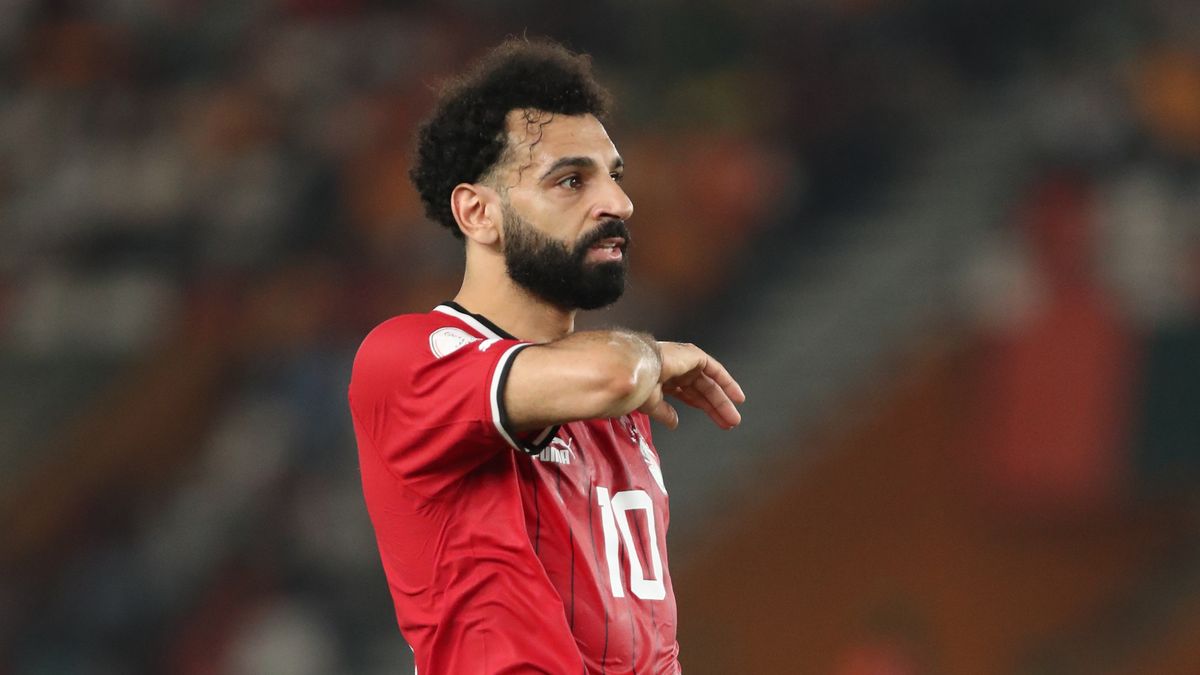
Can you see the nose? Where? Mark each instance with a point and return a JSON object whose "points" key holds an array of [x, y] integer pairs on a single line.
{"points": [[614, 203]]}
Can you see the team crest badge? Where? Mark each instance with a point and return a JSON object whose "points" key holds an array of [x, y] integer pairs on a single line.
{"points": [[445, 341]]}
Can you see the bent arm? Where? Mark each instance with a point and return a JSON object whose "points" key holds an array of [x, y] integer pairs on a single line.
{"points": [[586, 375]]}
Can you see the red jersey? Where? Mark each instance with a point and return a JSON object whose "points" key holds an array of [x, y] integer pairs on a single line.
{"points": [[507, 552]]}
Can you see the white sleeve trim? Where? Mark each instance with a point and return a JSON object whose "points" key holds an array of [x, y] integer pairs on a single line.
{"points": [[499, 376]]}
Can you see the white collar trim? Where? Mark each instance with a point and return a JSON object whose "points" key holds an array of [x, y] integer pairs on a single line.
{"points": [[467, 319]]}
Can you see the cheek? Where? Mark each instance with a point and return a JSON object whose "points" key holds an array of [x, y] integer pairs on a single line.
{"points": [[563, 218], [565, 226]]}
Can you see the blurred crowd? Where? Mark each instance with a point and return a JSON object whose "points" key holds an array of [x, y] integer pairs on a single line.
{"points": [[1088, 298], [211, 201], [153, 148]]}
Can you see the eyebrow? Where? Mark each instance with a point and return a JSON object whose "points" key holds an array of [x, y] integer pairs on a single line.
{"points": [[579, 162]]}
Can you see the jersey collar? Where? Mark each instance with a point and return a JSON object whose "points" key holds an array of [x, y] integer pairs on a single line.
{"points": [[477, 321]]}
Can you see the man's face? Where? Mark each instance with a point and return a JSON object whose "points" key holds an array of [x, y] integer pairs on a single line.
{"points": [[565, 276], [564, 234]]}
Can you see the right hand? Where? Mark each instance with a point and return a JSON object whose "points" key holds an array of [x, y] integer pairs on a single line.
{"points": [[692, 376]]}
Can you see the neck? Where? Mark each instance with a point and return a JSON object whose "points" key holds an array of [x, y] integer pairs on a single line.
{"points": [[513, 308]]}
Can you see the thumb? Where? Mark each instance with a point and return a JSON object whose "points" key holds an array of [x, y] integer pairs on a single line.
{"points": [[657, 408], [664, 412]]}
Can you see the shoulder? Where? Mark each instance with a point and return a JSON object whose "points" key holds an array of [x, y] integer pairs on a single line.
{"points": [[431, 334], [408, 341], [416, 326]]}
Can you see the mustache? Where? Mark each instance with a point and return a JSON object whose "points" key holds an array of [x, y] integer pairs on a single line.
{"points": [[605, 230]]}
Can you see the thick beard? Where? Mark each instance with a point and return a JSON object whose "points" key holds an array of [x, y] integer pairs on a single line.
{"points": [[559, 274]]}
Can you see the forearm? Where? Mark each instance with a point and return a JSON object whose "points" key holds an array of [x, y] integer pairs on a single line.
{"points": [[586, 375]]}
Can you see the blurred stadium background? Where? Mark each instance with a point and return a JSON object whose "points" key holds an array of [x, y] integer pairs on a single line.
{"points": [[950, 247]]}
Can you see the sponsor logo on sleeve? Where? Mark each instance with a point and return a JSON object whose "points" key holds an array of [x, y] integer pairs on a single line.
{"points": [[444, 341]]}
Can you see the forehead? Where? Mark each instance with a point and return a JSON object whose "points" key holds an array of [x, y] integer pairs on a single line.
{"points": [[538, 139]]}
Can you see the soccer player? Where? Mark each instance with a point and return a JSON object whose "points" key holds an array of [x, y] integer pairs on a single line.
{"points": [[507, 460]]}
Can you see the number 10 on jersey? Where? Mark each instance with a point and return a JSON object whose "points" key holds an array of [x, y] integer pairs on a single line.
{"points": [[615, 512]]}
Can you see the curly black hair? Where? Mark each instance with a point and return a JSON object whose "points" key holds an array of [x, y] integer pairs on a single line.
{"points": [[465, 136]]}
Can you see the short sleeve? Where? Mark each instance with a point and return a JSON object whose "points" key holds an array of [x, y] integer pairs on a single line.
{"points": [[431, 401]]}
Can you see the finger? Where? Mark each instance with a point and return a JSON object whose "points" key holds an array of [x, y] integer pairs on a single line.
{"points": [[652, 400], [693, 399], [659, 409], [719, 374], [708, 366], [664, 412], [723, 407], [723, 413], [725, 416], [692, 367]]}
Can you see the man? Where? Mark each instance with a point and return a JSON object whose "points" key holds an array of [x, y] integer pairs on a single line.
{"points": [[507, 461]]}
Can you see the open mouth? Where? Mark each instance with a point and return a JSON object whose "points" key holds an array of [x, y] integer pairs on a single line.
{"points": [[606, 250]]}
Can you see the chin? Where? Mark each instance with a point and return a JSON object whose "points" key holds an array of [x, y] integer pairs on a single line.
{"points": [[600, 300]]}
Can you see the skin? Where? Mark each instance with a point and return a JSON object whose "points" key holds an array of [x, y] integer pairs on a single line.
{"points": [[562, 175]]}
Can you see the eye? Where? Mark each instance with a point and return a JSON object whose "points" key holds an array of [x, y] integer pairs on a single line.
{"points": [[617, 176], [572, 182]]}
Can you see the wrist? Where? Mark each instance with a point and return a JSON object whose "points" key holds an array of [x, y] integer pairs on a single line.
{"points": [[653, 345]]}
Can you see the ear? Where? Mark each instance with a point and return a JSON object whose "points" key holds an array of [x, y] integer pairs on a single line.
{"points": [[476, 209]]}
